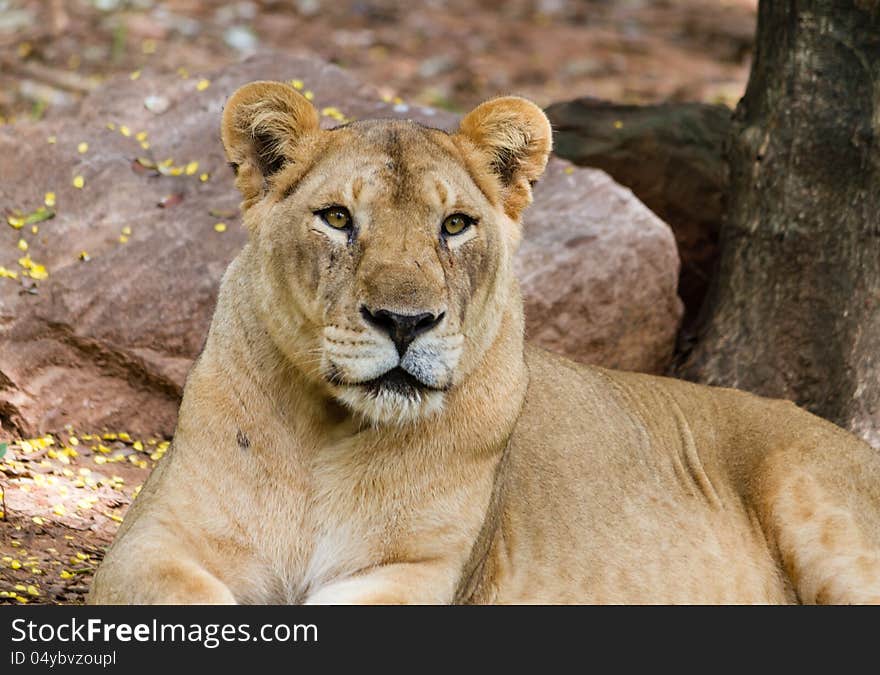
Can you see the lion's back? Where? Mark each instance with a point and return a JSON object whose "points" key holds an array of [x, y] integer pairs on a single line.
{"points": [[609, 498]]}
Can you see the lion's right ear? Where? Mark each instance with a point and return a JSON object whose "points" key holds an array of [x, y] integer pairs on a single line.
{"points": [[263, 123]]}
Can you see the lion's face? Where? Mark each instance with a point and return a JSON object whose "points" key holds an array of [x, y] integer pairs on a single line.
{"points": [[395, 255], [385, 246]]}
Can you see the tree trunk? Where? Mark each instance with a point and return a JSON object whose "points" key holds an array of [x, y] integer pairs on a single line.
{"points": [[794, 310]]}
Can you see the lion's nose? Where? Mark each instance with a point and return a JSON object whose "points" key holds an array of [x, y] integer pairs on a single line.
{"points": [[401, 328]]}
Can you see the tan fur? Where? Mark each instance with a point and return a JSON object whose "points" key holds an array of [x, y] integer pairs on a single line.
{"points": [[520, 476]]}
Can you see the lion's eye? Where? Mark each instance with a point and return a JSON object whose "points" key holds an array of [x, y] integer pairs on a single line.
{"points": [[336, 217], [456, 224]]}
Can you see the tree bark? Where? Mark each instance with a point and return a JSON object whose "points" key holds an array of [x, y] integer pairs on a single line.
{"points": [[794, 310]]}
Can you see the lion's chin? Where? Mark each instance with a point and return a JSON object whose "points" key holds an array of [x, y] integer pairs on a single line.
{"points": [[391, 406]]}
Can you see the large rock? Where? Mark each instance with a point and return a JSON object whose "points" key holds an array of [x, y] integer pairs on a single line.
{"points": [[106, 342], [598, 272]]}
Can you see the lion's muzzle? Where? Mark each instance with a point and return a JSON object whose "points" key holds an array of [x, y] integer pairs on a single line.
{"points": [[401, 328], [392, 365]]}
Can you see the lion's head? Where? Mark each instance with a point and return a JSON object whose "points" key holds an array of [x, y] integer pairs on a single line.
{"points": [[385, 248]]}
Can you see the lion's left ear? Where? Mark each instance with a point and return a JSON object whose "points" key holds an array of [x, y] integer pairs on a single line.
{"points": [[263, 125], [515, 138]]}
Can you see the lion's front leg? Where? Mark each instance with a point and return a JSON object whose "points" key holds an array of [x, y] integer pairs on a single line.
{"points": [[177, 583], [139, 573], [431, 583]]}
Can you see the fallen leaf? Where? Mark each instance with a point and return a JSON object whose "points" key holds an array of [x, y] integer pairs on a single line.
{"points": [[38, 216], [171, 200], [144, 165], [222, 213]]}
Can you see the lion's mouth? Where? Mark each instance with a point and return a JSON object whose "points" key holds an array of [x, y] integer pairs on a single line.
{"points": [[397, 381]]}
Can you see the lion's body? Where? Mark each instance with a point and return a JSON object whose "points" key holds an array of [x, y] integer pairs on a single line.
{"points": [[629, 488], [486, 471]]}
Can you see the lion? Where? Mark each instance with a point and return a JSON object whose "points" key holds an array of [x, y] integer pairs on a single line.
{"points": [[366, 424]]}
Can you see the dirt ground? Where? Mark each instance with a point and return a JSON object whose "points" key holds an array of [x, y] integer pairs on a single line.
{"points": [[64, 495], [446, 53]]}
